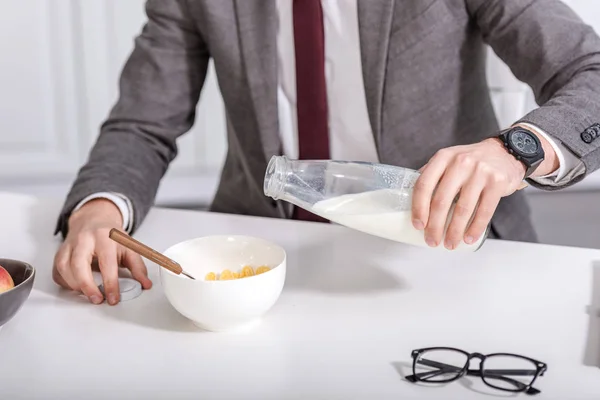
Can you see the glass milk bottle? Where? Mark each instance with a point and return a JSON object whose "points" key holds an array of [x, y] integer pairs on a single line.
{"points": [[372, 198]]}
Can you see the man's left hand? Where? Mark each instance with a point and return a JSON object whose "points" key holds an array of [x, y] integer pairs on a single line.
{"points": [[480, 175]]}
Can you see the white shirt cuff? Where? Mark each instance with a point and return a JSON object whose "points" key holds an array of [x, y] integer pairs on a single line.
{"points": [[122, 203], [569, 165]]}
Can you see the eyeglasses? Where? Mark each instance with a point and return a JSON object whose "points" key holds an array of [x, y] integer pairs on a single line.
{"points": [[503, 371]]}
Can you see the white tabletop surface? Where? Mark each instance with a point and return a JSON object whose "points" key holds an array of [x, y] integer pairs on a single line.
{"points": [[352, 309]]}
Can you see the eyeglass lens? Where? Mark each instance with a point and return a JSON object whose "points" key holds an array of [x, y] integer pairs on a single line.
{"points": [[439, 365], [508, 372]]}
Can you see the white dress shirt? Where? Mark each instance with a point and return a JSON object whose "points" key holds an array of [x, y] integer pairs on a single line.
{"points": [[350, 132]]}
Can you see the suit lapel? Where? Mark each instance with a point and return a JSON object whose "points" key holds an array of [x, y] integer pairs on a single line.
{"points": [[257, 29], [374, 24]]}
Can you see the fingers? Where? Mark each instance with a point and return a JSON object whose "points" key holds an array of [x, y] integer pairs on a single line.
{"points": [[106, 253], [481, 174], [61, 270], [134, 263], [425, 186], [59, 280], [449, 186], [483, 215], [81, 261], [463, 212], [73, 268]]}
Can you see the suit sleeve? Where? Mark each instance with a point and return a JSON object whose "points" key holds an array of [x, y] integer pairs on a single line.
{"points": [[159, 89], [547, 46]]}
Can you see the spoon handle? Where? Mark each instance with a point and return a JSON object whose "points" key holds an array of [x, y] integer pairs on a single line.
{"points": [[145, 251]]}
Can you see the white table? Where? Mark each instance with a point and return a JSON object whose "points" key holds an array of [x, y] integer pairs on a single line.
{"points": [[353, 308]]}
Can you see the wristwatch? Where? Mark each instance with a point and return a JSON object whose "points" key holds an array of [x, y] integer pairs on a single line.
{"points": [[524, 146]]}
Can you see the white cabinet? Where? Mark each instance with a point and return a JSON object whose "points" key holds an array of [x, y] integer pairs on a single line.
{"points": [[38, 108], [60, 79], [60, 67]]}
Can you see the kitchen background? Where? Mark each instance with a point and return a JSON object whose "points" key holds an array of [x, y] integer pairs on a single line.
{"points": [[60, 65]]}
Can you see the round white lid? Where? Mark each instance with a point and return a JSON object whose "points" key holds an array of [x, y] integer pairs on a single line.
{"points": [[128, 288]]}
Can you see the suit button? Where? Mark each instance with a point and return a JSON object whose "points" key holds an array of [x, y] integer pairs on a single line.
{"points": [[591, 133]]}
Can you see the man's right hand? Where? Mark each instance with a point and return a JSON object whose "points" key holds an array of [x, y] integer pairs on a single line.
{"points": [[87, 242]]}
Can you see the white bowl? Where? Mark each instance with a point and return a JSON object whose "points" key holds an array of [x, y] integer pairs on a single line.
{"points": [[229, 304]]}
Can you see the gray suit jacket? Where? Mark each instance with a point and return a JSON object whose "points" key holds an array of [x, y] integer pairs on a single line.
{"points": [[424, 75]]}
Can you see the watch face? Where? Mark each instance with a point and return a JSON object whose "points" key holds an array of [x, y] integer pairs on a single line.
{"points": [[523, 142]]}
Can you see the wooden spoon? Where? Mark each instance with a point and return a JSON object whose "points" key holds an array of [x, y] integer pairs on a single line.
{"points": [[147, 252]]}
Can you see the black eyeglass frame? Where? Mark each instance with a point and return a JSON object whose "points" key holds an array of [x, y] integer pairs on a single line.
{"points": [[541, 368]]}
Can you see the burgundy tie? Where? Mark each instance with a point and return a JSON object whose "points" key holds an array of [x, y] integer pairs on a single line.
{"points": [[311, 91]]}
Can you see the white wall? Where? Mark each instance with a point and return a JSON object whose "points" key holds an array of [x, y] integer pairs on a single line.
{"points": [[60, 66]]}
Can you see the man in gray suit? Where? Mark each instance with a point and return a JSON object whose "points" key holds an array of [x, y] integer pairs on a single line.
{"points": [[397, 82]]}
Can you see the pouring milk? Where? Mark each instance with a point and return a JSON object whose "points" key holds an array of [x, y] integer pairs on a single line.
{"points": [[372, 198]]}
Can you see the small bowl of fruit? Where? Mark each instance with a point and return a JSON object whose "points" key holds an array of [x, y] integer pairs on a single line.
{"points": [[16, 282], [237, 280]]}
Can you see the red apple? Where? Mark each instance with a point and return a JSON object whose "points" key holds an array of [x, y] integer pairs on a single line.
{"points": [[6, 281]]}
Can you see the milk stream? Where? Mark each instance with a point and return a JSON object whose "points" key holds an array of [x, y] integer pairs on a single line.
{"points": [[377, 213]]}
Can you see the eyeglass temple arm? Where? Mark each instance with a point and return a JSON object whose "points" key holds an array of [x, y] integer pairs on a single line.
{"points": [[489, 373], [427, 375]]}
